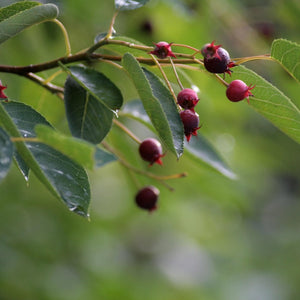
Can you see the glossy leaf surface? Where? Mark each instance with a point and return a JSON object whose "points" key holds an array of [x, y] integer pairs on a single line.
{"points": [[88, 118], [129, 4], [98, 85], [62, 176]]}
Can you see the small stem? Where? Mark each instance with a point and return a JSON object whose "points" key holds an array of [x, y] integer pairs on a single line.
{"points": [[187, 46], [221, 80], [176, 74], [66, 37], [112, 63], [111, 26], [49, 79], [130, 45], [161, 179], [241, 60], [23, 139], [127, 131], [165, 77]]}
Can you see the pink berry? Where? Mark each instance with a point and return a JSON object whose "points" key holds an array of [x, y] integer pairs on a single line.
{"points": [[2, 95], [151, 150], [190, 121], [147, 197], [238, 90], [187, 99], [163, 50]]}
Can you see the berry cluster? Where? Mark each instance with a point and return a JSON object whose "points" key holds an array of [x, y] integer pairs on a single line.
{"points": [[150, 150], [187, 99], [217, 60]]}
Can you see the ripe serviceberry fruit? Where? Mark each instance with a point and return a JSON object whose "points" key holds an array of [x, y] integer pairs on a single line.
{"points": [[147, 197], [216, 59], [238, 90], [187, 99], [2, 95], [163, 50], [151, 150], [190, 121]]}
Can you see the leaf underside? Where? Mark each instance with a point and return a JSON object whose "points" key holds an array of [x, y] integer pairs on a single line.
{"points": [[270, 102], [18, 17]]}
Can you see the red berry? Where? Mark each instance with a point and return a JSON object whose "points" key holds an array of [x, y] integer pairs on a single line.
{"points": [[147, 197], [187, 99], [163, 50], [151, 150], [190, 121], [238, 90], [2, 95]]}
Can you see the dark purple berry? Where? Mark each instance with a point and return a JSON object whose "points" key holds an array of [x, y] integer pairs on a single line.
{"points": [[147, 197], [151, 150], [190, 121], [218, 63], [238, 90], [216, 59], [163, 50], [187, 99]]}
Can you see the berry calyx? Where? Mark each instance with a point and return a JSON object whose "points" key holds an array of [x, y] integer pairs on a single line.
{"points": [[2, 95], [238, 90], [151, 150], [163, 50], [147, 197], [209, 50], [190, 121], [187, 99]]}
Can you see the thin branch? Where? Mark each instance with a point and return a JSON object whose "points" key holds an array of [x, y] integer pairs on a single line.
{"points": [[59, 91]]}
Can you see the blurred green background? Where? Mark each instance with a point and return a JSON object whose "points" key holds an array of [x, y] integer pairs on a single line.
{"points": [[212, 238]]}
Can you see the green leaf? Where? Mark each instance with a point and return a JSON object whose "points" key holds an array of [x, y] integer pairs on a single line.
{"points": [[24, 169], [88, 118], [270, 102], [20, 17], [129, 4], [84, 153], [98, 85], [6, 153], [15, 8], [199, 148], [158, 103], [64, 178], [288, 55]]}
